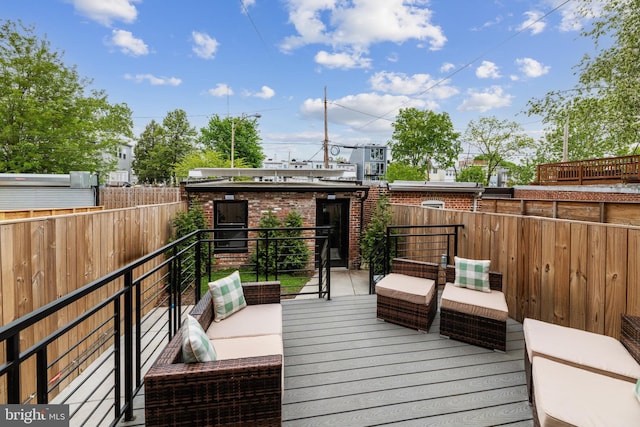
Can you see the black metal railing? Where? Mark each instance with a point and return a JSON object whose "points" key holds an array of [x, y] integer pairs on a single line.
{"points": [[415, 242], [112, 329]]}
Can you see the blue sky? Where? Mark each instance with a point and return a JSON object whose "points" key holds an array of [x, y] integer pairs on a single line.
{"points": [[469, 58]]}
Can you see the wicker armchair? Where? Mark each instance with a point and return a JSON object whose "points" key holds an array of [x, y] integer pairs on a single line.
{"points": [[406, 313], [244, 391], [474, 329]]}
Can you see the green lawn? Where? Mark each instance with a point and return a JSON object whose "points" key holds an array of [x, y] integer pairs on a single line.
{"points": [[288, 282]]}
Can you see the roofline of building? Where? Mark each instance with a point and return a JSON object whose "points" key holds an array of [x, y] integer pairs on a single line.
{"points": [[254, 187], [437, 187]]}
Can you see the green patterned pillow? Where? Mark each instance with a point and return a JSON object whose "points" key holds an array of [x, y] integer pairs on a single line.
{"points": [[196, 346], [472, 274], [227, 296], [636, 390]]}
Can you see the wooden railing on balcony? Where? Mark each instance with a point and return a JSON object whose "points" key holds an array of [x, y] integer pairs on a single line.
{"points": [[596, 171]]}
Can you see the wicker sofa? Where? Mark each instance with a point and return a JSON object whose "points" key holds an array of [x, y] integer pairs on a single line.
{"points": [[576, 377], [229, 391]]}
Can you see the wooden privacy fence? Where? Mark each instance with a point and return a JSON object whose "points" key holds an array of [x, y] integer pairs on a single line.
{"points": [[578, 274], [127, 197], [594, 211], [45, 258]]}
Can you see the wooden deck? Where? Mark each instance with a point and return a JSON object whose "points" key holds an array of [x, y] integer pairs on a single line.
{"points": [[343, 367]]}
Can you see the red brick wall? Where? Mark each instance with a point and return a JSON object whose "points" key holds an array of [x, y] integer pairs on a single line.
{"points": [[281, 203], [552, 194]]}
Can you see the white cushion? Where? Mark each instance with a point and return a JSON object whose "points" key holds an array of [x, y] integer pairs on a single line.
{"points": [[406, 288], [570, 396], [490, 305], [587, 350], [254, 320], [235, 348]]}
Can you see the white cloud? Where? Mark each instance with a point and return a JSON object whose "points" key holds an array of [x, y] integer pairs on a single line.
{"points": [[153, 80], [532, 68], [128, 44], [107, 11], [415, 85], [342, 60], [265, 93], [204, 45], [447, 67], [530, 23], [372, 111], [498, 19], [572, 18], [493, 97], [488, 70], [357, 25], [221, 89]]}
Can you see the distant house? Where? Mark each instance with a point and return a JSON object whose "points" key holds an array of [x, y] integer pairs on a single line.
{"points": [[123, 173], [371, 162]]}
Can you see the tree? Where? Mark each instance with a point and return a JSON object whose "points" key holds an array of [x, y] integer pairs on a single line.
{"points": [[179, 139], [471, 174], [161, 148], [375, 234], [199, 159], [602, 109], [217, 136], [402, 172], [147, 153], [423, 137], [49, 121], [497, 140]]}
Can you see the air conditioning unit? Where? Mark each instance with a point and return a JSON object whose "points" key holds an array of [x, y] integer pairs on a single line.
{"points": [[435, 204]]}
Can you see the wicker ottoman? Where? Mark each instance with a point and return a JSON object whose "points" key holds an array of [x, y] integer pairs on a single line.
{"points": [[407, 300]]}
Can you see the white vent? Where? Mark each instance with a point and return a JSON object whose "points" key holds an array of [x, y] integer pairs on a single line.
{"points": [[436, 204]]}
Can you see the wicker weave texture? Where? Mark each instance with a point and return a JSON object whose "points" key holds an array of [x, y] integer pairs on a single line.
{"points": [[630, 335], [405, 313], [472, 329], [244, 391]]}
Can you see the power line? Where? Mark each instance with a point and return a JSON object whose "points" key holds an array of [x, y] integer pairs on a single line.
{"points": [[468, 64]]}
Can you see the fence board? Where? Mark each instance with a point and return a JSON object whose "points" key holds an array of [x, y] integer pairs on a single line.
{"points": [[562, 273], [633, 266], [578, 278], [616, 292], [581, 274], [46, 257]]}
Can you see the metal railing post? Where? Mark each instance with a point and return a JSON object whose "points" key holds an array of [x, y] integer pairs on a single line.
{"points": [[117, 351], [198, 268], [13, 376], [128, 347], [41, 376]]}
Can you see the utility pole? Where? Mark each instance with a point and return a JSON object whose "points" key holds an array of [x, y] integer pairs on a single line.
{"points": [[326, 132]]}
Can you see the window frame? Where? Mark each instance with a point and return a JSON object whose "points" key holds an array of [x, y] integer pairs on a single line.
{"points": [[219, 228]]}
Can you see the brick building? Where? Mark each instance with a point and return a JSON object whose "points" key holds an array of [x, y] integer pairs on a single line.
{"points": [[241, 204]]}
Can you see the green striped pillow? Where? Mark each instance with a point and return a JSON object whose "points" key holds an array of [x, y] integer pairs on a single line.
{"points": [[227, 296], [472, 274], [196, 346]]}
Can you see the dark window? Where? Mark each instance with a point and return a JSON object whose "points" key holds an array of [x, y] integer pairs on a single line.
{"points": [[230, 222]]}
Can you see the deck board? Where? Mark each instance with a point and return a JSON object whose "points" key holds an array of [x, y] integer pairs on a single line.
{"points": [[344, 367]]}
